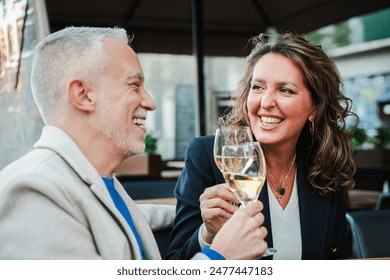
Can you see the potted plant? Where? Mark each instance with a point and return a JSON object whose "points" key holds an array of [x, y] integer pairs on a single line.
{"points": [[359, 137], [375, 157], [382, 137], [150, 144]]}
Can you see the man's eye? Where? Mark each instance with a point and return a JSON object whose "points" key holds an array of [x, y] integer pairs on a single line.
{"points": [[135, 85]]}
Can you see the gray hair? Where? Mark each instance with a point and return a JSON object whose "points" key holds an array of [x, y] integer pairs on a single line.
{"points": [[63, 55]]}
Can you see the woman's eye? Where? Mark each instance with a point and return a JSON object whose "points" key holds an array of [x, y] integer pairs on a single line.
{"points": [[256, 87], [286, 90]]}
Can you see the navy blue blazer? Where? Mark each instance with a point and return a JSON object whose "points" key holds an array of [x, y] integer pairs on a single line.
{"points": [[323, 223]]}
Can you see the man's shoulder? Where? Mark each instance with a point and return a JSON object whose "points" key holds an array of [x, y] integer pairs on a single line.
{"points": [[35, 162]]}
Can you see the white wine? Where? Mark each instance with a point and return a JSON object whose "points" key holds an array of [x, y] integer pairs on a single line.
{"points": [[246, 188], [239, 165], [218, 162]]}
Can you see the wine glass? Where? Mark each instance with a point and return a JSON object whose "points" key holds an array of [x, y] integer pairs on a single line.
{"points": [[244, 169], [227, 136]]}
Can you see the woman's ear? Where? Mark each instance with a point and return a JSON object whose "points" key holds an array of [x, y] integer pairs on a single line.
{"points": [[312, 115], [79, 93]]}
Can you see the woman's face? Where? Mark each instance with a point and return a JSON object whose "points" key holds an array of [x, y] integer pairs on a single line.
{"points": [[279, 103]]}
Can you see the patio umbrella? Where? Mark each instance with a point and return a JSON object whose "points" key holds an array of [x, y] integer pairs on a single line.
{"points": [[212, 27]]}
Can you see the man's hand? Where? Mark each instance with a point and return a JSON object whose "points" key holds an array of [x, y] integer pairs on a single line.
{"points": [[242, 236]]}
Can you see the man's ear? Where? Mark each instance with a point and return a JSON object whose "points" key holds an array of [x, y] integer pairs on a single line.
{"points": [[80, 95]]}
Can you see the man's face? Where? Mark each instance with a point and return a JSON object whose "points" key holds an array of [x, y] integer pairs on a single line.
{"points": [[123, 100]]}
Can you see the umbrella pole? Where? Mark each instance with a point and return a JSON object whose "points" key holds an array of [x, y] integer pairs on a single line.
{"points": [[197, 46]]}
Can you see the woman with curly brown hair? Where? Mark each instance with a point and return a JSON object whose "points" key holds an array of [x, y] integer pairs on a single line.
{"points": [[290, 96]]}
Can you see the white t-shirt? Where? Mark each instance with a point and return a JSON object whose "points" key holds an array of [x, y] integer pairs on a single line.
{"points": [[286, 226]]}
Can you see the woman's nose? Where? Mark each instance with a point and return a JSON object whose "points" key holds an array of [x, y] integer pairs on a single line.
{"points": [[268, 99]]}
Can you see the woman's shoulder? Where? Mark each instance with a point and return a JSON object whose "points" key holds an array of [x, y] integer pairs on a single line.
{"points": [[207, 140], [201, 144]]}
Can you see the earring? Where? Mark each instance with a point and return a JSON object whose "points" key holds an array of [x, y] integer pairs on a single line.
{"points": [[311, 120]]}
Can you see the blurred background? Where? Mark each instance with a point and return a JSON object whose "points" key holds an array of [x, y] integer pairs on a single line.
{"points": [[193, 54]]}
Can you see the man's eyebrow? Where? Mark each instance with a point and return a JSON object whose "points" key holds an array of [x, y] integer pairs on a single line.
{"points": [[137, 75]]}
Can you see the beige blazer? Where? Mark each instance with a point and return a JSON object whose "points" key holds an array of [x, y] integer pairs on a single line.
{"points": [[54, 205]]}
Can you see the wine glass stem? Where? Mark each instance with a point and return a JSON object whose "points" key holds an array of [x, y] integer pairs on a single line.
{"points": [[269, 252]]}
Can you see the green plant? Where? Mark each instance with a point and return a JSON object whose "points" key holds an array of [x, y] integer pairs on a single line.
{"points": [[359, 136], [150, 144], [382, 137]]}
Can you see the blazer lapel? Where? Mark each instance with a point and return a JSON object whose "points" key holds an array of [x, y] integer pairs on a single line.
{"points": [[150, 247], [99, 189], [313, 214], [267, 217]]}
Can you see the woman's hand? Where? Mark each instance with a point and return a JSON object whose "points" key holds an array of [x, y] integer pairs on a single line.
{"points": [[217, 205]]}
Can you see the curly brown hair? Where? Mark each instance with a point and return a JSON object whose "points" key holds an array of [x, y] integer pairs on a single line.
{"points": [[329, 155]]}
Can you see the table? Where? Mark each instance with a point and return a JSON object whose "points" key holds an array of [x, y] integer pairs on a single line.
{"points": [[166, 201], [357, 200], [170, 174], [362, 199]]}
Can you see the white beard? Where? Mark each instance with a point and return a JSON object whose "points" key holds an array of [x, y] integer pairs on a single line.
{"points": [[119, 134]]}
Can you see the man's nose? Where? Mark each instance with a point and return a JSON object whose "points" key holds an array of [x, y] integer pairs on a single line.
{"points": [[148, 102]]}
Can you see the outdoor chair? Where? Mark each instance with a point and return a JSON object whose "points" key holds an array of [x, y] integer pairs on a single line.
{"points": [[370, 233], [383, 201]]}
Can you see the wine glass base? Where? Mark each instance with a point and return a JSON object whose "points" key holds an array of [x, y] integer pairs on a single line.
{"points": [[269, 252]]}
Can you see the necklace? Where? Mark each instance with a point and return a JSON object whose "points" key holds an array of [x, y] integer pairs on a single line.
{"points": [[281, 190]]}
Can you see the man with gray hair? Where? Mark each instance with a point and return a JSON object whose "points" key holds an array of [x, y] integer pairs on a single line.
{"points": [[62, 200]]}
